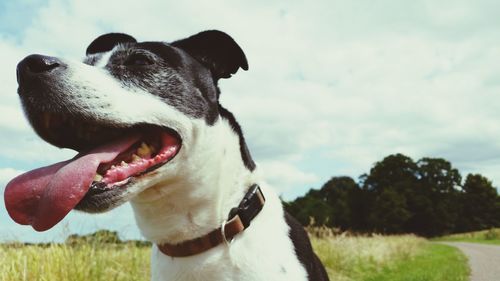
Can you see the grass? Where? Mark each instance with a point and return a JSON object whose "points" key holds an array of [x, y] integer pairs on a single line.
{"points": [[435, 263], [373, 258], [491, 236], [99, 262], [380, 258]]}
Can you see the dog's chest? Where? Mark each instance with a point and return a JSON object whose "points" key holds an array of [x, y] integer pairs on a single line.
{"points": [[264, 251], [265, 268]]}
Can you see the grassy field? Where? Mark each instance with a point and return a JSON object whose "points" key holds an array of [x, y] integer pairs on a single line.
{"points": [[491, 236], [92, 261], [346, 258], [433, 263], [394, 258]]}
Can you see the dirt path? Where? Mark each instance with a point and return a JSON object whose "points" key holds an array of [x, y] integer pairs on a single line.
{"points": [[484, 260]]}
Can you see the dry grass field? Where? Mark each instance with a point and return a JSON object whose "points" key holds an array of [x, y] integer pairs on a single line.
{"points": [[490, 236], [346, 257]]}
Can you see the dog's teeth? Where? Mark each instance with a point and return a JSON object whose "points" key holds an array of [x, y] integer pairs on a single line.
{"points": [[97, 177], [143, 150], [123, 164], [135, 158]]}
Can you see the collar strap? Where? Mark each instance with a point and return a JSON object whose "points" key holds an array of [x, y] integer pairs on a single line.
{"points": [[238, 220]]}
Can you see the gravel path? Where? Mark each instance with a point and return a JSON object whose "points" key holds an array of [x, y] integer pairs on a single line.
{"points": [[484, 260]]}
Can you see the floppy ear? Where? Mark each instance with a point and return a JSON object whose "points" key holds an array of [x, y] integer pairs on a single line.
{"points": [[216, 50], [108, 41]]}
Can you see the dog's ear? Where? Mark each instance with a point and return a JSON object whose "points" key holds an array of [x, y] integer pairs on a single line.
{"points": [[108, 41], [216, 50]]}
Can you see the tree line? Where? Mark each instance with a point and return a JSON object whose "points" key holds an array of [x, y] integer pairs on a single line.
{"points": [[427, 197]]}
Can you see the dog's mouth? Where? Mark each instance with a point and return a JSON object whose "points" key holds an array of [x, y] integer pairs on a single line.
{"points": [[109, 158]]}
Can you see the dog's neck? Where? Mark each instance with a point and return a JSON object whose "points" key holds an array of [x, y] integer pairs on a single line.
{"points": [[210, 178]]}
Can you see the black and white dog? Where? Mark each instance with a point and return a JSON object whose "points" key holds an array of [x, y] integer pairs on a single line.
{"points": [[146, 120]]}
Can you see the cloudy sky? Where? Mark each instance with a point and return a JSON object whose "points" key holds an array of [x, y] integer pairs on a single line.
{"points": [[333, 86]]}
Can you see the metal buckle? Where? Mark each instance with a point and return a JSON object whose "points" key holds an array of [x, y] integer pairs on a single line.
{"points": [[250, 206], [223, 232]]}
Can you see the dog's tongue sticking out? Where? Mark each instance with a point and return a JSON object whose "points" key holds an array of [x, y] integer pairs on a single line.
{"points": [[44, 196]]}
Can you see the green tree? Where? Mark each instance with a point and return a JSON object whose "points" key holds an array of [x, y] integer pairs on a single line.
{"points": [[403, 196], [434, 202], [310, 207], [479, 204], [396, 168], [389, 185], [98, 237], [340, 195], [391, 212]]}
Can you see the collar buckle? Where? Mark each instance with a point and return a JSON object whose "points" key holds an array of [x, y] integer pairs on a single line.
{"points": [[251, 204]]}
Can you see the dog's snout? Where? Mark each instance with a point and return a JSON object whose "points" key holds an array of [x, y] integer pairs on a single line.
{"points": [[38, 64], [33, 65]]}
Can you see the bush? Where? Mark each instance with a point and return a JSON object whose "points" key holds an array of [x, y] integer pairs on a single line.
{"points": [[492, 234]]}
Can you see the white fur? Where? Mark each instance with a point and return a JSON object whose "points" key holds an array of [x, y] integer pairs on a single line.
{"points": [[192, 194], [213, 179], [104, 58], [261, 252], [109, 100]]}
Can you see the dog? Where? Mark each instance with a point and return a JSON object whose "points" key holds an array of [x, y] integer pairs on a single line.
{"points": [[146, 121]]}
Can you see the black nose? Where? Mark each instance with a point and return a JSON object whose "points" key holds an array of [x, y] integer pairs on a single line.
{"points": [[35, 64]]}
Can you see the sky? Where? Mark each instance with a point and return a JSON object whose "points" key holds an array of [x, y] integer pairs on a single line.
{"points": [[332, 86]]}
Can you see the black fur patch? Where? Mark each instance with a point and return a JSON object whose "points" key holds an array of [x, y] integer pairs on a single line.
{"points": [[107, 42], [245, 153], [303, 249], [217, 51], [184, 74], [169, 73]]}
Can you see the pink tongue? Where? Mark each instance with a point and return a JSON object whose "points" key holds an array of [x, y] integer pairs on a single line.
{"points": [[44, 196]]}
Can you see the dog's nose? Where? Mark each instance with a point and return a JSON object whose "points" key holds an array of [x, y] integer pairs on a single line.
{"points": [[33, 65]]}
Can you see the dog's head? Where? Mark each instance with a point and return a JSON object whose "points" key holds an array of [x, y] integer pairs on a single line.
{"points": [[131, 110]]}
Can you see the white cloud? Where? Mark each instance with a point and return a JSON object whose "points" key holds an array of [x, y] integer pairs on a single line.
{"points": [[405, 92], [7, 174], [282, 176], [12, 54]]}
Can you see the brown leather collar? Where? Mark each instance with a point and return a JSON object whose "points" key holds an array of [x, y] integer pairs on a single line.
{"points": [[239, 219]]}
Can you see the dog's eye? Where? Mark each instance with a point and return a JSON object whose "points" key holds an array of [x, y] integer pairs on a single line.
{"points": [[138, 59]]}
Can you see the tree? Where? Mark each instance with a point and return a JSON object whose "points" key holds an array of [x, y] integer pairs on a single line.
{"points": [[479, 204], [98, 237], [438, 175], [396, 168], [340, 193], [389, 185], [311, 207], [390, 212], [434, 202], [402, 196]]}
